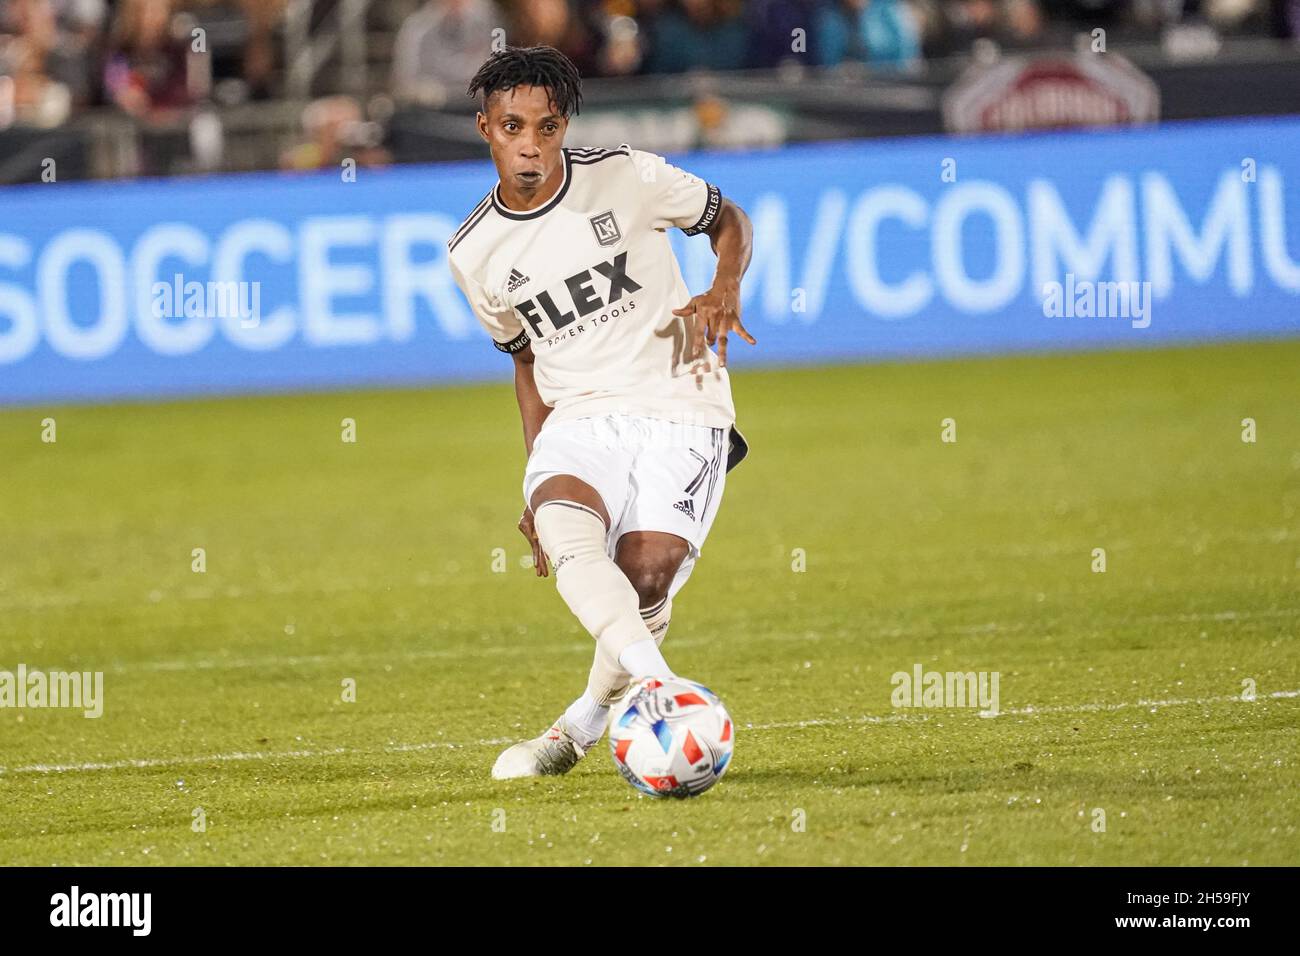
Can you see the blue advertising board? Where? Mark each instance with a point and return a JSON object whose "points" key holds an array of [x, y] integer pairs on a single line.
{"points": [[863, 250]]}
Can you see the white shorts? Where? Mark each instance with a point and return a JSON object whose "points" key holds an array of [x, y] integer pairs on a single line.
{"points": [[652, 474]]}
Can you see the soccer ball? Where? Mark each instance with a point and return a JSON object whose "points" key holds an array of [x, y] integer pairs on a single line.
{"points": [[671, 737]]}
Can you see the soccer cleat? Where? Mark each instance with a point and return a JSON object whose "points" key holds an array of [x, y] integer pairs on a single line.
{"points": [[553, 753]]}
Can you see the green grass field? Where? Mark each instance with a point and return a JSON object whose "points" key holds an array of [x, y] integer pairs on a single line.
{"points": [[1120, 691]]}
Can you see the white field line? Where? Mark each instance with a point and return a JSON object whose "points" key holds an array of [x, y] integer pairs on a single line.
{"points": [[515, 648], [1151, 705], [239, 756]]}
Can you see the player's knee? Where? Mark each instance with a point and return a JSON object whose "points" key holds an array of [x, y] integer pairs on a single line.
{"points": [[570, 489], [651, 567], [651, 586]]}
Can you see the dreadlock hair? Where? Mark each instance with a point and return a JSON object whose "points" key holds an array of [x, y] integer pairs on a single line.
{"points": [[530, 66]]}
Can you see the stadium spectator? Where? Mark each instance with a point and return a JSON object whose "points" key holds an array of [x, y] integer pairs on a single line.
{"points": [[699, 34], [440, 45], [884, 33], [151, 72], [624, 50], [335, 130], [49, 48], [27, 94], [1022, 24], [959, 24], [259, 50], [646, 15], [772, 25], [241, 43], [556, 23]]}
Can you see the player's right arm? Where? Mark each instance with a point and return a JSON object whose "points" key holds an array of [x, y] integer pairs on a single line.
{"points": [[508, 336], [533, 412]]}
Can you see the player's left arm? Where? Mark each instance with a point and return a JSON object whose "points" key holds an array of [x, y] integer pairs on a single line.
{"points": [[717, 311]]}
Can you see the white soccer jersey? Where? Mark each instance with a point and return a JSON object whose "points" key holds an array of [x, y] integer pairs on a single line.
{"points": [[590, 280]]}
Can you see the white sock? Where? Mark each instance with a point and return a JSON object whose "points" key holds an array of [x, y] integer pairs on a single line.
{"points": [[642, 659], [585, 720], [595, 588]]}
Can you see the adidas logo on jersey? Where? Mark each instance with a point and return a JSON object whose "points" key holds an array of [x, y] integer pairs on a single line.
{"points": [[517, 279], [686, 507]]}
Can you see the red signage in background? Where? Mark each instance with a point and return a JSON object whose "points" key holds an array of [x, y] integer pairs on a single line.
{"points": [[1050, 92]]}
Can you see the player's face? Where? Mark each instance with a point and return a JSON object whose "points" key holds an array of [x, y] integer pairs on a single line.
{"points": [[525, 135]]}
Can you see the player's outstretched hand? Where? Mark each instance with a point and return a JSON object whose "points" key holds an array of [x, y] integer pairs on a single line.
{"points": [[717, 315], [528, 531]]}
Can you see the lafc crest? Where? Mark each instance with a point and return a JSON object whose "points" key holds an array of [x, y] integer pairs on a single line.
{"points": [[605, 226]]}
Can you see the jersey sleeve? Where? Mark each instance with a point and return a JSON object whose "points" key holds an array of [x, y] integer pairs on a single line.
{"points": [[676, 197], [502, 324]]}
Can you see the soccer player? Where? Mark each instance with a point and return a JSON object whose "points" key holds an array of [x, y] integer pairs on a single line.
{"points": [[627, 413]]}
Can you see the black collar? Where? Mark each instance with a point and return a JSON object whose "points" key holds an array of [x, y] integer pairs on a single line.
{"points": [[546, 206]]}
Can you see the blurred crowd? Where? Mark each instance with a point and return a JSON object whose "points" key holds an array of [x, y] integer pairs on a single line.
{"points": [[444, 40], [157, 59], [147, 58]]}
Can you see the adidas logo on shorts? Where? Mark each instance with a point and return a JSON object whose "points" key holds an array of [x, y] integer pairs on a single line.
{"points": [[686, 507]]}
